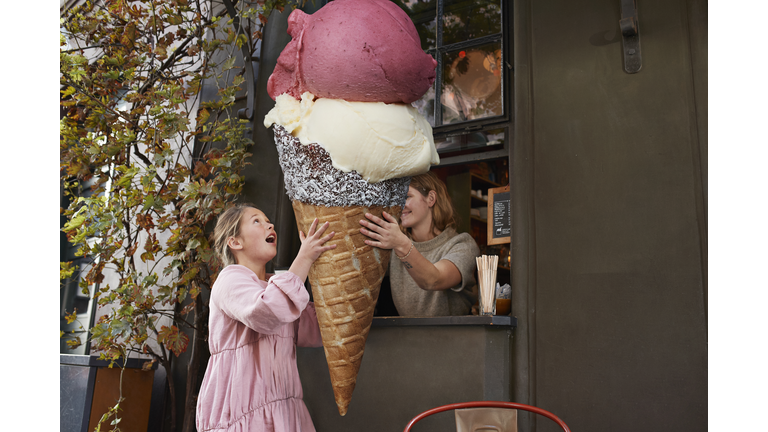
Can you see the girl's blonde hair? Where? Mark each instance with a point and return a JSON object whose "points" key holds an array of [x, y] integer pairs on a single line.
{"points": [[228, 225], [443, 213]]}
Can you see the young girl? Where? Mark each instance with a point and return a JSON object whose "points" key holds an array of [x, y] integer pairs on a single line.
{"points": [[255, 322]]}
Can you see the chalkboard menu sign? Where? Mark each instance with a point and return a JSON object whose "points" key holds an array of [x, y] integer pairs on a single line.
{"points": [[499, 216]]}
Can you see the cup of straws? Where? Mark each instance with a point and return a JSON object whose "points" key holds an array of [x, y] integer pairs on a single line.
{"points": [[486, 273]]}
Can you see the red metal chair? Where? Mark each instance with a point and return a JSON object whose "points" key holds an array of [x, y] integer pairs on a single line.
{"points": [[488, 404]]}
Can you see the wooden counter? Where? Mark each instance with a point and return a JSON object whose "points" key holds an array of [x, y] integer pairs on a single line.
{"points": [[411, 365]]}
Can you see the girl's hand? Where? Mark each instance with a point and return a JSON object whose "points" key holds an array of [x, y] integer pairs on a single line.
{"points": [[312, 245], [384, 233]]}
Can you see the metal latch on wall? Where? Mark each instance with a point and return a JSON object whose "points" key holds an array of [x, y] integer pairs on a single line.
{"points": [[630, 36]]}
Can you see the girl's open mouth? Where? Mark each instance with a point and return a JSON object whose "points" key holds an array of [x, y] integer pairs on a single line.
{"points": [[271, 238]]}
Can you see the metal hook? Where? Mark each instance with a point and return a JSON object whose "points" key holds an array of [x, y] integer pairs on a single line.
{"points": [[630, 36]]}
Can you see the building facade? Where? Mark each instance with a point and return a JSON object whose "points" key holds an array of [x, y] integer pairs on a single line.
{"points": [[607, 258]]}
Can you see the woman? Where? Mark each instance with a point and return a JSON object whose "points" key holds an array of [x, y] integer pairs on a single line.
{"points": [[432, 267]]}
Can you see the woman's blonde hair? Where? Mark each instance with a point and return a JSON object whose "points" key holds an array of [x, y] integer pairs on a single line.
{"points": [[228, 225], [443, 213]]}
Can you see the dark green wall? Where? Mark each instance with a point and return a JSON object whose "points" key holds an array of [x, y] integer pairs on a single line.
{"points": [[610, 221]]}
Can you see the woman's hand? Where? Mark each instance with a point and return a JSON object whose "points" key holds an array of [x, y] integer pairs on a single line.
{"points": [[384, 233]]}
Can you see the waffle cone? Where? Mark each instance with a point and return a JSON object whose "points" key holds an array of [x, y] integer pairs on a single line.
{"points": [[345, 286]]}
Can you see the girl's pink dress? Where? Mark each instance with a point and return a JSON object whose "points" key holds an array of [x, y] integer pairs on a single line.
{"points": [[252, 382]]}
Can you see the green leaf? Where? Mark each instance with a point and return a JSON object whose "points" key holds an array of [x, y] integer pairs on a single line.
{"points": [[127, 310], [228, 64], [77, 75], [189, 275], [171, 267], [164, 292], [125, 179], [99, 330], [193, 244], [74, 223], [71, 317], [74, 343], [67, 269], [175, 19], [67, 92], [241, 40], [149, 202], [146, 180], [149, 280], [120, 328]]}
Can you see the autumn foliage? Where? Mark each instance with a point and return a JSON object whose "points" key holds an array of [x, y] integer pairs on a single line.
{"points": [[149, 165]]}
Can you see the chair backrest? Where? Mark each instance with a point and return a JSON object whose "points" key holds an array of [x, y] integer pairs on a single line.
{"points": [[488, 404]]}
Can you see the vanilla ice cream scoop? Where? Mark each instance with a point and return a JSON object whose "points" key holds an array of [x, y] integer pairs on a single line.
{"points": [[379, 141]]}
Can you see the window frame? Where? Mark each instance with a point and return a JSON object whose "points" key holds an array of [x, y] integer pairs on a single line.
{"points": [[505, 120]]}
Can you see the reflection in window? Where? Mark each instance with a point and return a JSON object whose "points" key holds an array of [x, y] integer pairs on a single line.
{"points": [[426, 106], [465, 37], [471, 84], [470, 19], [422, 13]]}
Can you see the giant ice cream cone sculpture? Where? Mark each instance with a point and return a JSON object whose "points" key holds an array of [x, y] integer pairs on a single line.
{"points": [[346, 280], [345, 287], [349, 151]]}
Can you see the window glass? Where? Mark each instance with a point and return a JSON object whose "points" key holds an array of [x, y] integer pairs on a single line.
{"points": [[426, 105], [466, 39], [423, 15], [471, 87], [470, 19], [71, 295]]}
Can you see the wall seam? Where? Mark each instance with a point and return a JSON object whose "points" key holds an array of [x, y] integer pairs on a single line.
{"points": [[698, 188]]}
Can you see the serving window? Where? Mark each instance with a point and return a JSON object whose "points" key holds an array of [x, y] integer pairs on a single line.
{"points": [[469, 109]]}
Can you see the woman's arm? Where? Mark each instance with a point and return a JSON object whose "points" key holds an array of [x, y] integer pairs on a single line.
{"points": [[385, 233], [431, 277]]}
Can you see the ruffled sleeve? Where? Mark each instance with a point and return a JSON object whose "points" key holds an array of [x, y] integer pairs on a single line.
{"points": [[264, 309]]}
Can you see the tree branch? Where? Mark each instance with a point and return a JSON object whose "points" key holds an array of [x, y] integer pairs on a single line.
{"points": [[97, 100]]}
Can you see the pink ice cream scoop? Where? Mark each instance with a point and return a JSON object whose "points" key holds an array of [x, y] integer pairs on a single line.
{"points": [[356, 50]]}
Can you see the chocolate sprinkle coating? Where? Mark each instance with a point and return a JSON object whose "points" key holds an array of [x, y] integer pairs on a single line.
{"points": [[311, 178]]}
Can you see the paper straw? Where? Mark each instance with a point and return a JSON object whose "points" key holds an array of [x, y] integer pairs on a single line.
{"points": [[486, 272]]}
